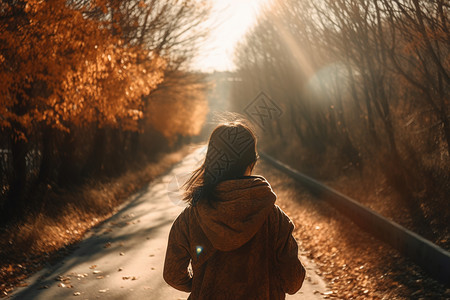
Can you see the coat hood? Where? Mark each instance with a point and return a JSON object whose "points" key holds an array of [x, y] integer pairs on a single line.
{"points": [[242, 208]]}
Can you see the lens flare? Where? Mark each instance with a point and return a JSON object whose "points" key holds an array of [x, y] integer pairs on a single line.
{"points": [[198, 250]]}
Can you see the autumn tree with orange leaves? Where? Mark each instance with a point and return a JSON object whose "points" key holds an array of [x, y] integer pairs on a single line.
{"points": [[75, 79]]}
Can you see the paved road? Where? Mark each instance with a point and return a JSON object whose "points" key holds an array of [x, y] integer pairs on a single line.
{"points": [[123, 258]]}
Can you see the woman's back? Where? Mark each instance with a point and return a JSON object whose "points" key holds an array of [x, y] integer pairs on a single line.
{"points": [[241, 247]]}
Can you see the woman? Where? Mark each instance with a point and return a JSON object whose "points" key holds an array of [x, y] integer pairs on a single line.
{"points": [[238, 242]]}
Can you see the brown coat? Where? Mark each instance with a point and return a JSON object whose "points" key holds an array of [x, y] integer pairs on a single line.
{"points": [[241, 249]]}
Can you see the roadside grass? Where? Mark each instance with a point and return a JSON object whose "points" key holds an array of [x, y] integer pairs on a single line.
{"points": [[354, 264], [64, 216], [412, 192]]}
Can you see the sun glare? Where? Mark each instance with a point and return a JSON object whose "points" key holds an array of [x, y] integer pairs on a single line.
{"points": [[229, 21]]}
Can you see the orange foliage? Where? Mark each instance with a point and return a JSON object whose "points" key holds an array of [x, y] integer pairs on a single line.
{"points": [[59, 67], [178, 111]]}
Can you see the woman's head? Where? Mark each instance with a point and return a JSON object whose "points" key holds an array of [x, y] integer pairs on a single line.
{"points": [[231, 151]]}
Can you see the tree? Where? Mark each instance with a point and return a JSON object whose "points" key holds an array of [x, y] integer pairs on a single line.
{"points": [[69, 68]]}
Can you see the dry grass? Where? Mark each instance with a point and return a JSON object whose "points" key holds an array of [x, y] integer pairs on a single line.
{"points": [[354, 264], [412, 192], [375, 188], [65, 216]]}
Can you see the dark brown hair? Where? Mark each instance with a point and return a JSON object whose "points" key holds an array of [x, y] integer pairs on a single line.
{"points": [[231, 149]]}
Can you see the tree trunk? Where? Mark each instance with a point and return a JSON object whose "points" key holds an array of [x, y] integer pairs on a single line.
{"points": [[47, 154], [95, 162], [117, 153], [16, 196], [69, 171], [446, 123]]}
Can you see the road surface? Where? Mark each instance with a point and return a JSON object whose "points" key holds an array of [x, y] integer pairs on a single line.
{"points": [[123, 257]]}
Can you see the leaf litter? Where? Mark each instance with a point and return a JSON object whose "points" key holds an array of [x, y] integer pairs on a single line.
{"points": [[353, 263]]}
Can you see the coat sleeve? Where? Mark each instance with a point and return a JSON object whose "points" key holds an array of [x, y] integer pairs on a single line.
{"points": [[291, 270], [177, 259]]}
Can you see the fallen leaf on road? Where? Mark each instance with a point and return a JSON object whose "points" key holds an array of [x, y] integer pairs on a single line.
{"points": [[126, 277], [96, 271], [77, 294], [103, 291], [134, 278], [100, 277], [93, 267], [63, 279], [121, 254], [120, 269], [107, 245]]}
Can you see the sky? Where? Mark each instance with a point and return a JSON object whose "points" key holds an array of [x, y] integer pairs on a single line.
{"points": [[230, 20]]}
